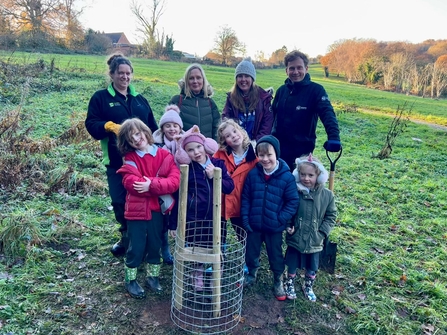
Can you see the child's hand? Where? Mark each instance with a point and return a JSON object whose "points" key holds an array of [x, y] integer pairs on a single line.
{"points": [[290, 230], [142, 186], [172, 233], [210, 170]]}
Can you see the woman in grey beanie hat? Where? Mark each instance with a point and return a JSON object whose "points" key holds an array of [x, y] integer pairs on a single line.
{"points": [[248, 104]]}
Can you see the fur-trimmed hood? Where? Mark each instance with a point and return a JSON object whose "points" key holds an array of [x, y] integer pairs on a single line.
{"points": [[181, 85]]}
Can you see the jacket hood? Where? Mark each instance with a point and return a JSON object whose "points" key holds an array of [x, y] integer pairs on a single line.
{"points": [[181, 85]]}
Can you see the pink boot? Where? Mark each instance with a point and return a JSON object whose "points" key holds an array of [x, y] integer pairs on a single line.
{"points": [[197, 278]]}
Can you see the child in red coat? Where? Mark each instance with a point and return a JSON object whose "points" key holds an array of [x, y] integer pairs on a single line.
{"points": [[148, 173]]}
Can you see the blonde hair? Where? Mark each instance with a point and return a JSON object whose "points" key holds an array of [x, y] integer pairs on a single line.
{"points": [[129, 127], [206, 84], [221, 138]]}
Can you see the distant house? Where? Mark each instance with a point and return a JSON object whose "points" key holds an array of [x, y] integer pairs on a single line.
{"points": [[188, 56], [120, 42]]}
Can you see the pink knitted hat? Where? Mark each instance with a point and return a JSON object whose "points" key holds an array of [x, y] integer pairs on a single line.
{"points": [[171, 114], [193, 135], [199, 138]]}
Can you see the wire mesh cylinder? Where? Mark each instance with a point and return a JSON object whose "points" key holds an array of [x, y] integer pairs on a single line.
{"points": [[207, 287]]}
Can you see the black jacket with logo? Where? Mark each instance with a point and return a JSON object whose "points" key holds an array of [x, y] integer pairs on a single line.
{"points": [[297, 107], [108, 105]]}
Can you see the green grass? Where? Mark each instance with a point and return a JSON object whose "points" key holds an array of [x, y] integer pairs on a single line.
{"points": [[391, 229]]}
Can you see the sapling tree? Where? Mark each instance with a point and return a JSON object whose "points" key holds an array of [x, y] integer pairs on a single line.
{"points": [[397, 127]]}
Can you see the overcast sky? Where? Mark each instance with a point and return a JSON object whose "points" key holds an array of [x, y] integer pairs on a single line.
{"points": [[310, 26]]}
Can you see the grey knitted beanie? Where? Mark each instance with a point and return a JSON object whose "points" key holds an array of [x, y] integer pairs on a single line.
{"points": [[246, 67]]}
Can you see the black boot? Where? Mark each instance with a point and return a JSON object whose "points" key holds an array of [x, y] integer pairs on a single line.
{"points": [[131, 284], [119, 248], [152, 281], [134, 289]]}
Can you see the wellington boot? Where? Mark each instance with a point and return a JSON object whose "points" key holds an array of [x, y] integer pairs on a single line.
{"points": [[152, 280], [250, 277], [131, 284], [308, 288], [289, 287], [118, 250], [135, 290], [153, 283], [197, 278], [278, 288]]}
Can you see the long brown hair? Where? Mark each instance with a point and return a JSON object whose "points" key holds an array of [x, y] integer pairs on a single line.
{"points": [[237, 98]]}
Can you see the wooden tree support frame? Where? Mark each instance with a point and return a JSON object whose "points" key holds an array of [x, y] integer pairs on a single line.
{"points": [[185, 253]]}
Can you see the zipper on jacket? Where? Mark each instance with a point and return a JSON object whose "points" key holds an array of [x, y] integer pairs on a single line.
{"points": [[263, 204], [198, 113]]}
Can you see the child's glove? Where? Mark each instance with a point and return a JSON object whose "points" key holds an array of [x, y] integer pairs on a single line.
{"points": [[112, 127], [332, 145]]}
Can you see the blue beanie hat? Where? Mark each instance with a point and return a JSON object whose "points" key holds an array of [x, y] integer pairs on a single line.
{"points": [[246, 67], [272, 140]]}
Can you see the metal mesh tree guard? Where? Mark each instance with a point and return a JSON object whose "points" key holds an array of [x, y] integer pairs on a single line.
{"points": [[208, 269]]}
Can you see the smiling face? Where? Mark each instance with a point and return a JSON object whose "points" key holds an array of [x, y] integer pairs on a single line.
{"points": [[121, 78], [170, 129], [233, 137], [196, 152], [139, 141], [244, 82], [296, 70], [267, 158], [308, 175], [195, 81]]}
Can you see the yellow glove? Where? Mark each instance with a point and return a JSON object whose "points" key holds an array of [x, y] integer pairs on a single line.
{"points": [[112, 127]]}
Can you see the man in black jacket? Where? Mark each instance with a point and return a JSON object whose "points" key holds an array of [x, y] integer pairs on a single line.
{"points": [[297, 106]]}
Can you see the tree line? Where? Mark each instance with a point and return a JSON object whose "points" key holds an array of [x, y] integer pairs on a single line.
{"points": [[54, 26], [417, 69]]}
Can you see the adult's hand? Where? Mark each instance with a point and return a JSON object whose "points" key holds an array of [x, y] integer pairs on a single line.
{"points": [[332, 145], [112, 127]]}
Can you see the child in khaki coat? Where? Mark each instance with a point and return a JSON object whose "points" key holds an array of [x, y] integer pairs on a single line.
{"points": [[312, 224]]}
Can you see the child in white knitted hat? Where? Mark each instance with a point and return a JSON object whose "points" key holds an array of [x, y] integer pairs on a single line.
{"points": [[313, 222], [171, 125]]}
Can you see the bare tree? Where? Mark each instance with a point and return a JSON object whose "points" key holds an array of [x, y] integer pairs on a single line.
{"points": [[35, 16], [227, 44], [71, 27], [439, 77], [153, 42], [55, 18]]}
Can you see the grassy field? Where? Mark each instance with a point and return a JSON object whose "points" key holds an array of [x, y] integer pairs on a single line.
{"points": [[58, 277]]}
